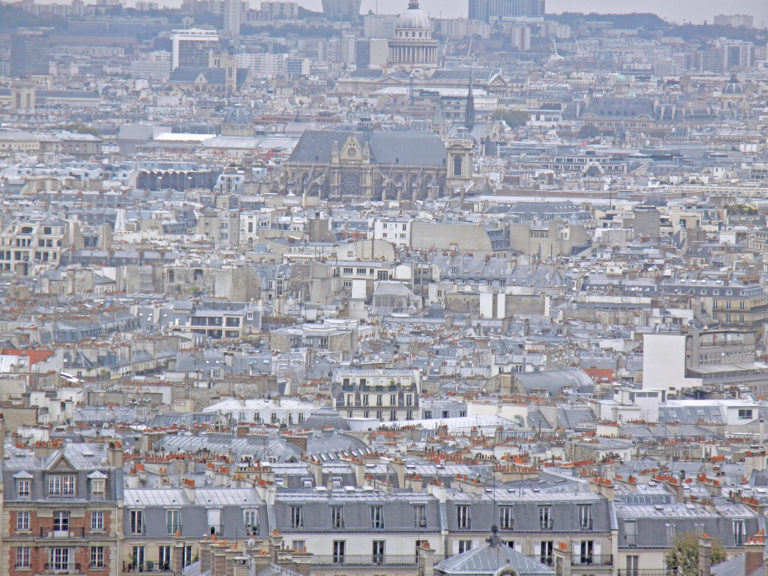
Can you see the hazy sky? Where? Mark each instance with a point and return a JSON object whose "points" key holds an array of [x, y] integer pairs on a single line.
{"points": [[676, 10]]}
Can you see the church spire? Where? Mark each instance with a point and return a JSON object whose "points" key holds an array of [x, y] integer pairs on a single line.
{"points": [[469, 115]]}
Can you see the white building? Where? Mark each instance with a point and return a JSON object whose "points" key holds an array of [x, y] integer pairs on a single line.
{"points": [[192, 47], [664, 363], [396, 231]]}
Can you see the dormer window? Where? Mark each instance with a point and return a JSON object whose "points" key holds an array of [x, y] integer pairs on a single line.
{"points": [[98, 487], [22, 488], [98, 481], [61, 485]]}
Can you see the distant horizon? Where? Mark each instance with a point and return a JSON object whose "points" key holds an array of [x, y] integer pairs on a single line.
{"points": [[695, 11]]}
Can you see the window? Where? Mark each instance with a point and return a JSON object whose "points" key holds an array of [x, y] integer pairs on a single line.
{"points": [[61, 485], [457, 164], [54, 485], [98, 486], [22, 521], [377, 517], [61, 521], [97, 521], [671, 533], [506, 518], [585, 516], [97, 557], [545, 517], [745, 414], [545, 552], [463, 517], [172, 521], [338, 551], [68, 485], [251, 521], [586, 552], [214, 520], [137, 521], [22, 557], [465, 546], [299, 546], [22, 488], [164, 557], [739, 532], [138, 558], [337, 517], [630, 532], [297, 517], [420, 515], [188, 557], [378, 552], [59, 559], [631, 565]]}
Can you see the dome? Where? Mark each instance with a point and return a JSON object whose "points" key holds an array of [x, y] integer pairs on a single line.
{"points": [[733, 88], [238, 115], [414, 18]]}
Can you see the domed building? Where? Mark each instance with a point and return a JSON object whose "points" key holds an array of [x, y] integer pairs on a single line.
{"points": [[413, 46], [238, 121]]}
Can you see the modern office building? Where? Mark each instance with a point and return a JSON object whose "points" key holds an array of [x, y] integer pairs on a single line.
{"points": [[191, 48], [493, 10], [232, 12], [341, 9], [29, 52]]}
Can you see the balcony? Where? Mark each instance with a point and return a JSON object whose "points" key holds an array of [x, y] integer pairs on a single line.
{"points": [[146, 569], [62, 568], [646, 573], [363, 560], [592, 560], [62, 534]]}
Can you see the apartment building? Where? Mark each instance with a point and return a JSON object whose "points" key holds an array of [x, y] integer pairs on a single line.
{"points": [[61, 509], [384, 394], [30, 244]]}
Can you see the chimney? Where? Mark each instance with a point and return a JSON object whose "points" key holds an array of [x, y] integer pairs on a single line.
{"points": [[753, 556], [115, 455], [219, 559], [178, 559], [205, 557], [426, 559], [398, 465], [705, 555], [297, 439], [316, 468], [188, 485]]}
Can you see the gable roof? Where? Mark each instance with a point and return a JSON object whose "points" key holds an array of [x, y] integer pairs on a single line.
{"points": [[406, 147], [489, 559]]}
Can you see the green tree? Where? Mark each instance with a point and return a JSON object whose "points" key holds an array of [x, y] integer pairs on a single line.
{"points": [[683, 556], [512, 118]]}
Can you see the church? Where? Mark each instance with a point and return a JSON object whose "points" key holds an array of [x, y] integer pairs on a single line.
{"points": [[378, 165]]}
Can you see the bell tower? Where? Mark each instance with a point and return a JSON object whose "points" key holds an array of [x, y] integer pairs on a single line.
{"points": [[459, 160]]}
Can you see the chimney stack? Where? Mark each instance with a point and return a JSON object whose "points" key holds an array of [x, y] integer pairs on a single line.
{"points": [[705, 555]]}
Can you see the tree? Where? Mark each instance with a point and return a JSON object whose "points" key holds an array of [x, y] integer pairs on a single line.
{"points": [[683, 556], [512, 118]]}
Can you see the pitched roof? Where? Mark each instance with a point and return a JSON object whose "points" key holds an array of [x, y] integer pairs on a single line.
{"points": [[490, 559], [406, 147]]}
